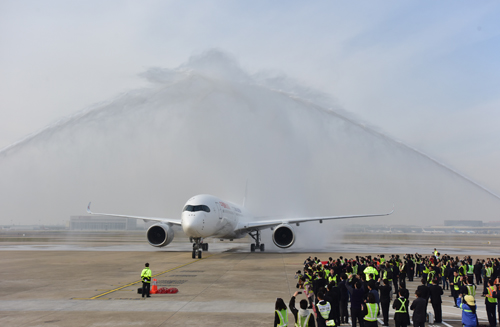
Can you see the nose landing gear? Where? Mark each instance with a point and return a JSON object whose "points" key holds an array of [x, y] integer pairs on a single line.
{"points": [[257, 245], [198, 247]]}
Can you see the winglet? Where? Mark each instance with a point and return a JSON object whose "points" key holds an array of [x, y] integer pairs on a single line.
{"points": [[88, 208]]}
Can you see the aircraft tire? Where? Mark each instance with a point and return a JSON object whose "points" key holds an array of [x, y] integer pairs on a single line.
{"points": [[194, 254], [252, 247], [262, 248], [199, 254]]}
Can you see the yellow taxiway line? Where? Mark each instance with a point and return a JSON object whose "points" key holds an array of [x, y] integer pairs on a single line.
{"points": [[133, 283]]}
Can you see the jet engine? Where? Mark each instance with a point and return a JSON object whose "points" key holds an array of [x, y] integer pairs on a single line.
{"points": [[283, 236], [160, 235]]}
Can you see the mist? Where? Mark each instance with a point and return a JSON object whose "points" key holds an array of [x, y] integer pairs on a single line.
{"points": [[208, 126]]}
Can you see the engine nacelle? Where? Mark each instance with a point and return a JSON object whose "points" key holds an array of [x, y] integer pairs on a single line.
{"points": [[160, 235], [283, 236]]}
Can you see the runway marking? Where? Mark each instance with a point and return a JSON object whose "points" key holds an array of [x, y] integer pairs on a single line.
{"points": [[133, 283]]}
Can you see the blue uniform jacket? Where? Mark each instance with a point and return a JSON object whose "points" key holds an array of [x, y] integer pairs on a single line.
{"points": [[469, 319]]}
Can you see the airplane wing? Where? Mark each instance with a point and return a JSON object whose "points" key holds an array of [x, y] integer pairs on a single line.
{"points": [[146, 219], [263, 224]]}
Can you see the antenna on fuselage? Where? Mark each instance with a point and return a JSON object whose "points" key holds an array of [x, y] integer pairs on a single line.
{"points": [[246, 190]]}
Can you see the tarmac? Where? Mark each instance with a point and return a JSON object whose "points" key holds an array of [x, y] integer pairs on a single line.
{"points": [[94, 283]]}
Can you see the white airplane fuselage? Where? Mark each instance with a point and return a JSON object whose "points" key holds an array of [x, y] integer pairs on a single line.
{"points": [[208, 216]]}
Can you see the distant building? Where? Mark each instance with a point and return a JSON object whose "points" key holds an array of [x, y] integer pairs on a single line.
{"points": [[101, 223], [466, 223]]}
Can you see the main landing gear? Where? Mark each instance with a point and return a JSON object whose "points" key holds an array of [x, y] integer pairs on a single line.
{"points": [[198, 247], [257, 245]]}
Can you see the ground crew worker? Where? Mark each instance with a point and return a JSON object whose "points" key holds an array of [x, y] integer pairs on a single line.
{"points": [[401, 316], [419, 306], [425, 272], [431, 275], [395, 276], [370, 270], [370, 311], [280, 313], [469, 288], [146, 280], [435, 292], [344, 299], [468, 307], [462, 271], [487, 275], [402, 274], [470, 269], [332, 295], [478, 268], [299, 275], [411, 268], [357, 298], [303, 317], [419, 265], [455, 287], [387, 273], [491, 302], [385, 300], [325, 315], [308, 291], [444, 276]]}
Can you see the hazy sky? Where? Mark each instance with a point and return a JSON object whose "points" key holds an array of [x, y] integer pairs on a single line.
{"points": [[425, 72]]}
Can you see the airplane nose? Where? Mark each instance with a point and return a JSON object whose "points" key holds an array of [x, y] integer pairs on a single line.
{"points": [[192, 225]]}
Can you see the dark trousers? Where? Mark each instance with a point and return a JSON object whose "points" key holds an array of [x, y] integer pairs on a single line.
{"points": [[401, 320], [479, 280], [491, 313], [410, 275], [311, 300], [370, 323], [145, 289], [396, 287], [402, 280], [356, 314], [455, 295], [438, 313], [445, 282], [418, 324], [385, 310], [485, 284], [344, 313], [336, 313]]}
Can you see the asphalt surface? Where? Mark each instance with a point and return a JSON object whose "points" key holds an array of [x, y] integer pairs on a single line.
{"points": [[94, 283]]}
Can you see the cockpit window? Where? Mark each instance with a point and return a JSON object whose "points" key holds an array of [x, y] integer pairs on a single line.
{"points": [[196, 208]]}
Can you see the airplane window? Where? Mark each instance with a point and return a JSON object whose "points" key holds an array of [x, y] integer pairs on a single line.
{"points": [[196, 208]]}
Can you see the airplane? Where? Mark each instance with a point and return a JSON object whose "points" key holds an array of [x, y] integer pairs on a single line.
{"points": [[206, 216]]}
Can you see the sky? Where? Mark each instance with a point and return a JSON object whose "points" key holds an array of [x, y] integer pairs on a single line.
{"points": [[424, 72]]}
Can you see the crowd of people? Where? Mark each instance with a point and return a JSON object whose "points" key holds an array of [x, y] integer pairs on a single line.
{"points": [[370, 283]]}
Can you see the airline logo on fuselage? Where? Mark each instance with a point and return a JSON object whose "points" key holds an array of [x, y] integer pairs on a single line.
{"points": [[224, 205]]}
